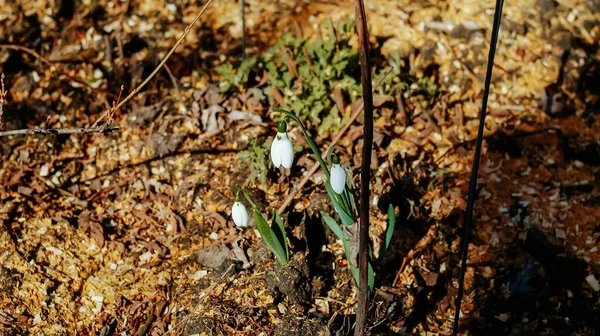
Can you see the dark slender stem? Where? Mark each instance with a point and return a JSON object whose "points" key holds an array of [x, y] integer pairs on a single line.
{"points": [[475, 170], [365, 168], [243, 29]]}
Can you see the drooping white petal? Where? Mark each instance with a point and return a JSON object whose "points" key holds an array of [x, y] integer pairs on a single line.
{"points": [[337, 179], [282, 152], [286, 151], [239, 214], [275, 157]]}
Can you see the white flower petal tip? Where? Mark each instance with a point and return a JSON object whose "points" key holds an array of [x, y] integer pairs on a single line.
{"points": [[239, 214], [282, 151], [337, 178]]}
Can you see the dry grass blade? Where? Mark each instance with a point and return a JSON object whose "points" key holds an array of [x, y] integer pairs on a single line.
{"points": [[110, 112], [166, 58]]}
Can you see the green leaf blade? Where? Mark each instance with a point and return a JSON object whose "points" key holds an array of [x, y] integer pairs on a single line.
{"points": [[279, 231], [270, 238], [333, 225], [389, 232]]}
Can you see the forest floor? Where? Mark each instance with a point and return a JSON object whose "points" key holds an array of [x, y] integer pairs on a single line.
{"points": [[129, 233]]}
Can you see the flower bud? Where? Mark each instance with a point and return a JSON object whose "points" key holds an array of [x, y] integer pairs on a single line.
{"points": [[337, 178], [239, 214], [282, 151]]}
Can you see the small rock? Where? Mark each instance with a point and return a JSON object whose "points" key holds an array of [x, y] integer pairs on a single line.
{"points": [[593, 282], [198, 275], [213, 256], [44, 170], [146, 256]]}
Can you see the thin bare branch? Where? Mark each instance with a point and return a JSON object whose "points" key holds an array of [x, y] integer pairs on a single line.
{"points": [[365, 168], [162, 63], [28, 51], [243, 4], [472, 194], [110, 112], [45, 61], [2, 96], [56, 131]]}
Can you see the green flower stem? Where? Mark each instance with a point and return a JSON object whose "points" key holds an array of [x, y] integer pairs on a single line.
{"points": [[343, 201], [244, 191], [311, 143], [346, 199]]}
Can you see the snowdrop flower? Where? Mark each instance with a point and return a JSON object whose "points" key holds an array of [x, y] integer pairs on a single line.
{"points": [[282, 153], [239, 214], [337, 179]]}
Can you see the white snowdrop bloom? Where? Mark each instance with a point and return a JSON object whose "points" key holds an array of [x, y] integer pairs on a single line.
{"points": [[337, 179], [239, 214], [282, 151]]}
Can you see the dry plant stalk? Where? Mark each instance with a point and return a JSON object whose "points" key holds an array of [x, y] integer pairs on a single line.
{"points": [[107, 127], [2, 97], [472, 194], [365, 168]]}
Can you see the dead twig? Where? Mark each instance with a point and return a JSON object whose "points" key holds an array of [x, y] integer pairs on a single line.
{"points": [[2, 97], [30, 52], [147, 325], [243, 4], [56, 131], [119, 30], [421, 245], [174, 81], [109, 327], [45, 61], [514, 135], [164, 60], [360, 18], [110, 112], [475, 169], [337, 312]]}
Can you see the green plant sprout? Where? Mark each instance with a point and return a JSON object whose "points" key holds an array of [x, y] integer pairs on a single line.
{"points": [[273, 235], [307, 72], [339, 190], [256, 157], [234, 78], [344, 204]]}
